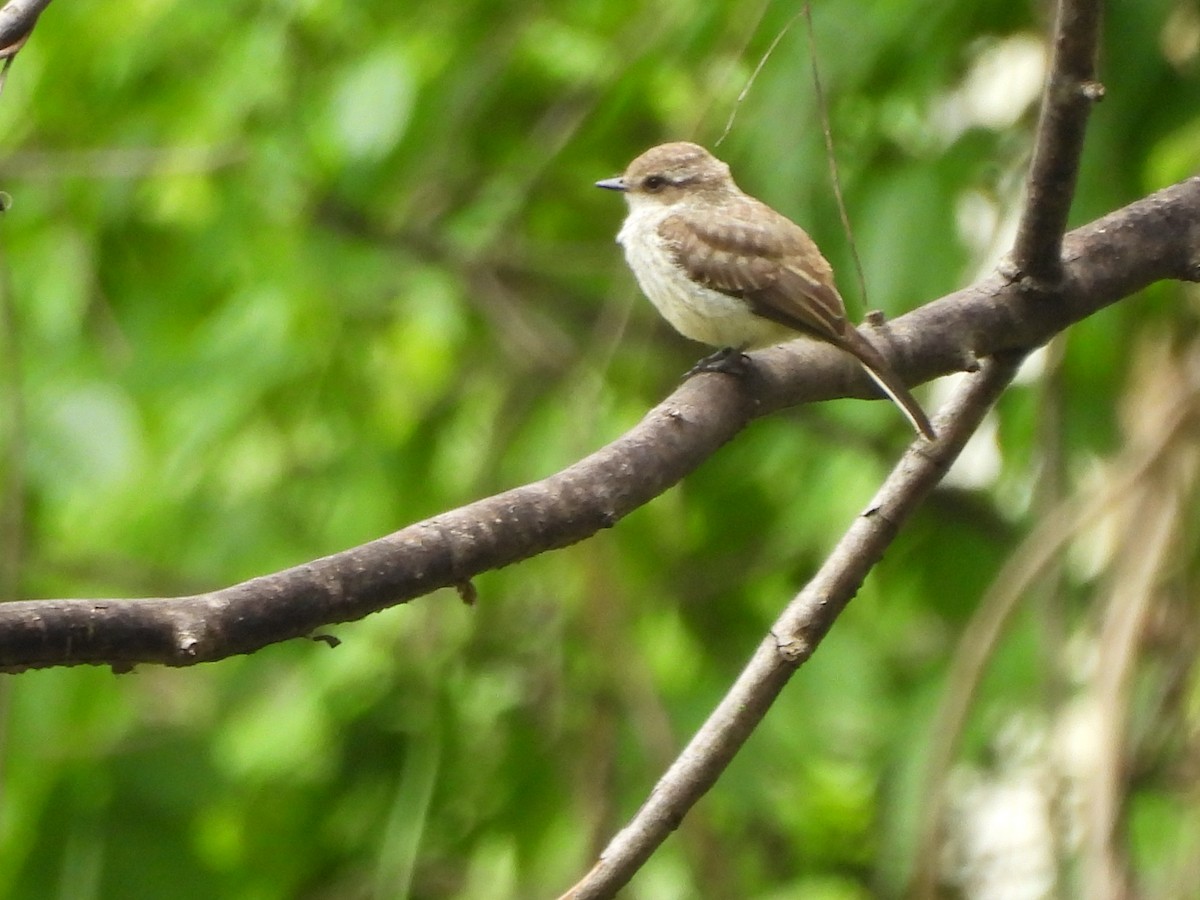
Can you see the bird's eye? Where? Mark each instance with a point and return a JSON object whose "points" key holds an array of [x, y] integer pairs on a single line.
{"points": [[654, 183]]}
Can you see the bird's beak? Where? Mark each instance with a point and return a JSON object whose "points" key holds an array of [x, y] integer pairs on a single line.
{"points": [[612, 184]]}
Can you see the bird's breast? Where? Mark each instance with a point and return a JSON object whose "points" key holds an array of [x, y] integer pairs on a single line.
{"points": [[694, 310]]}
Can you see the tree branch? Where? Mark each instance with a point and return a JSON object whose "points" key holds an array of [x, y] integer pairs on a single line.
{"points": [[17, 19], [1107, 260], [1071, 89], [796, 634], [1152, 239]]}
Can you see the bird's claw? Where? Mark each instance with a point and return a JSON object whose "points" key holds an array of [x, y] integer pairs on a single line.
{"points": [[727, 361]]}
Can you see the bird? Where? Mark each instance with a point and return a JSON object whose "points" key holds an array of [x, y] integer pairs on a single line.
{"points": [[727, 270]]}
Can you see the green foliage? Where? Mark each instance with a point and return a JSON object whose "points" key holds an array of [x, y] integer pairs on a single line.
{"points": [[282, 278]]}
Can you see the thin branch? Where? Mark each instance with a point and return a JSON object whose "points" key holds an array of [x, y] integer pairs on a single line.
{"points": [[745, 92], [1071, 89], [795, 635], [1155, 238], [835, 178]]}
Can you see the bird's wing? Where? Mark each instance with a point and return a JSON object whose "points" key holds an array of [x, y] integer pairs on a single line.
{"points": [[750, 251]]}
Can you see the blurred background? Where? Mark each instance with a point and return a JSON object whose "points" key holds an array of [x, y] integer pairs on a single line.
{"points": [[280, 278]]}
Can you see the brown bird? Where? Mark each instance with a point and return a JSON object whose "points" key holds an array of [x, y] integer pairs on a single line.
{"points": [[727, 270]]}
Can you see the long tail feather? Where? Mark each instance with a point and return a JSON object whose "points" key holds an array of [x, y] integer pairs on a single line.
{"points": [[889, 382]]}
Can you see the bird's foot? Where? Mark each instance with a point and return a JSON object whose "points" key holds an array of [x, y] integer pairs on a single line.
{"points": [[727, 360]]}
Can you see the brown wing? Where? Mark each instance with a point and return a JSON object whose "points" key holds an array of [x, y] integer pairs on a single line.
{"points": [[748, 250]]}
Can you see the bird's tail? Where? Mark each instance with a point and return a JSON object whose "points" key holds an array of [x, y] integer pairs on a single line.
{"points": [[889, 382]]}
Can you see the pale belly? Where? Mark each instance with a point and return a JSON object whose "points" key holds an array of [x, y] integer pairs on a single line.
{"points": [[697, 312]]}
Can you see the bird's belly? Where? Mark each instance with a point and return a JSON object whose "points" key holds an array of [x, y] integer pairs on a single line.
{"points": [[698, 312]]}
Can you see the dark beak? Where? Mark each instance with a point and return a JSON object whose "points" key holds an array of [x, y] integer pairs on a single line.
{"points": [[612, 184]]}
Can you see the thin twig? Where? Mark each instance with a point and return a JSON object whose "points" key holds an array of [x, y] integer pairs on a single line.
{"points": [[739, 45], [795, 635], [834, 177], [753, 75]]}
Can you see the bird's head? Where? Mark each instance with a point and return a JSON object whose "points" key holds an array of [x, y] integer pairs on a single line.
{"points": [[669, 173]]}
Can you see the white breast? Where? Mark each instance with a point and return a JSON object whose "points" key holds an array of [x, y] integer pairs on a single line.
{"points": [[695, 311]]}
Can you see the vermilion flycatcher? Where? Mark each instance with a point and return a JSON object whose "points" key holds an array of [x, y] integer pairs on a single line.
{"points": [[727, 270]]}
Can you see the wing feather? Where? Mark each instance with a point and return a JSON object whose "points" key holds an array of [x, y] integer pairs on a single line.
{"points": [[748, 250]]}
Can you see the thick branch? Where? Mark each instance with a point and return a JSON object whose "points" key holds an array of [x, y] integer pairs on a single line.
{"points": [[795, 635], [1071, 89], [17, 19], [1153, 239], [446, 550]]}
